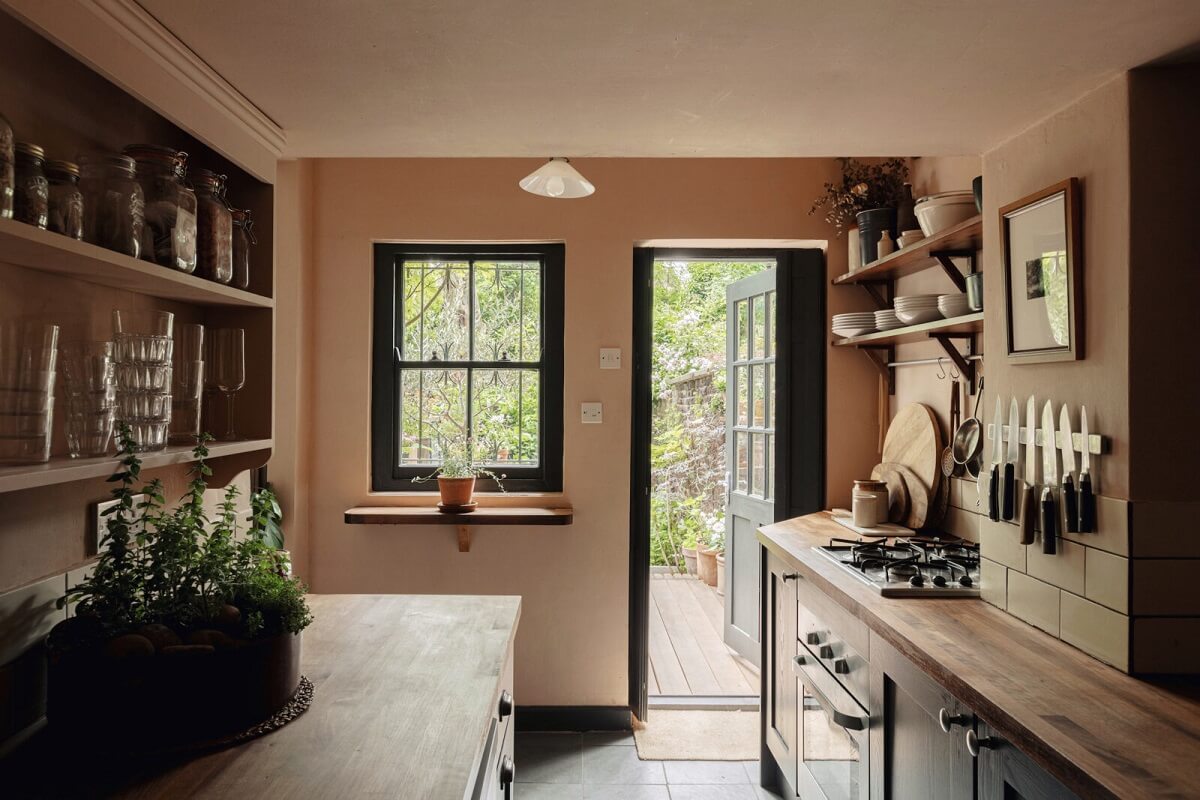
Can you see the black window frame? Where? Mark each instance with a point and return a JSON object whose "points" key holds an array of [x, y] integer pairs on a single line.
{"points": [[387, 363]]}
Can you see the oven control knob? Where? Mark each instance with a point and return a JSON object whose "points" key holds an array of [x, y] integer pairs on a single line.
{"points": [[916, 580], [813, 638], [939, 580], [965, 580], [826, 651], [841, 667]]}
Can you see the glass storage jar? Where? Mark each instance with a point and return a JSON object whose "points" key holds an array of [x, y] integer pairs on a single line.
{"points": [[7, 176], [169, 237], [66, 200], [113, 203], [243, 238], [214, 228], [31, 198]]}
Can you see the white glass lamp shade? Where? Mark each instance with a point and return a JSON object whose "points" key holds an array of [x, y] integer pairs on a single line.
{"points": [[557, 178]]}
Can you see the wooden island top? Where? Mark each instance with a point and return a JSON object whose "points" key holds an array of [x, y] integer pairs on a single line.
{"points": [[1098, 730], [404, 688]]}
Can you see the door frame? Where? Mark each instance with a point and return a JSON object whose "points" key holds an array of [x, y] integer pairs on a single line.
{"points": [[800, 415]]}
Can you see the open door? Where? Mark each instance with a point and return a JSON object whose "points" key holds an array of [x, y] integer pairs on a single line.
{"points": [[750, 379]]}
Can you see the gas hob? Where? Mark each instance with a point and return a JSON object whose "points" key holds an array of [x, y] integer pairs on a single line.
{"points": [[916, 566]]}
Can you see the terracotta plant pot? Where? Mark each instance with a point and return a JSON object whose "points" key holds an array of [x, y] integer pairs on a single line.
{"points": [[721, 574], [689, 559], [456, 491], [706, 561]]}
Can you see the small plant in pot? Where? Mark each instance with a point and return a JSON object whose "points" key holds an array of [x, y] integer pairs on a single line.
{"points": [[866, 198], [457, 474]]}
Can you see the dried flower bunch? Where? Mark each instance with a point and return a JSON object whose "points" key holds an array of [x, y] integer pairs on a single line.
{"points": [[863, 187]]}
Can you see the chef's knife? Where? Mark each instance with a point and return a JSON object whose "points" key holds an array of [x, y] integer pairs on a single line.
{"points": [[1070, 511], [1029, 501], [1009, 510], [1050, 477], [997, 459], [1087, 500]]}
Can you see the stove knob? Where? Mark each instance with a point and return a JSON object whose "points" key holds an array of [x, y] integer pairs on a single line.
{"points": [[965, 580], [916, 580], [841, 667], [813, 638], [939, 580], [826, 651]]}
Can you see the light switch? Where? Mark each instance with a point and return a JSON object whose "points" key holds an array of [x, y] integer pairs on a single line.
{"points": [[591, 413], [610, 358]]}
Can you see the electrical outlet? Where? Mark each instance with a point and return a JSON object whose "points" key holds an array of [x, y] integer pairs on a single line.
{"points": [[610, 358], [100, 522], [591, 413]]}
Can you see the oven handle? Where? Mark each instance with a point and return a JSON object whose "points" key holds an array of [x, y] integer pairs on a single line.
{"points": [[850, 722]]}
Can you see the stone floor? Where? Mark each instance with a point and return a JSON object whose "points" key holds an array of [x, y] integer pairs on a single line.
{"points": [[605, 766]]}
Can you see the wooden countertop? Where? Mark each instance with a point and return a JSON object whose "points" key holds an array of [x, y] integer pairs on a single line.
{"points": [[403, 693], [1099, 731]]}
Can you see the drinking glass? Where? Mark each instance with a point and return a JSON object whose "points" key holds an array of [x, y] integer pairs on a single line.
{"points": [[142, 350], [229, 369], [90, 397], [187, 383], [28, 360]]}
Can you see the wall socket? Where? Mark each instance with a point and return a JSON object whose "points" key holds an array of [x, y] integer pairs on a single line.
{"points": [[591, 413], [100, 521], [610, 358]]}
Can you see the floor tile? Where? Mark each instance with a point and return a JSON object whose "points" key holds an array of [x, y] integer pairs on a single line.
{"points": [[549, 758], [626, 792], [608, 739], [766, 794], [617, 765], [752, 771], [706, 772], [713, 792], [549, 791]]}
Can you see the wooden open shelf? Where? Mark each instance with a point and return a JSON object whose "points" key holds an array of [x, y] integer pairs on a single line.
{"points": [[955, 326], [428, 515], [962, 240], [65, 470], [34, 248]]}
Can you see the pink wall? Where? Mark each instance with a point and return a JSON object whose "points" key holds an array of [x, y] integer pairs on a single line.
{"points": [[572, 647]]}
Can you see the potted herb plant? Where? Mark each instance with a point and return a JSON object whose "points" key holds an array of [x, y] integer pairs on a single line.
{"points": [[185, 631], [706, 562], [456, 476], [864, 201]]}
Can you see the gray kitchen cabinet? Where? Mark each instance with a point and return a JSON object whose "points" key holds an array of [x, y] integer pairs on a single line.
{"points": [[1005, 773], [779, 682]]}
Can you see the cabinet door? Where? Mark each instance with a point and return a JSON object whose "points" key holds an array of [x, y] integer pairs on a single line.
{"points": [[779, 721], [911, 755], [1005, 773]]}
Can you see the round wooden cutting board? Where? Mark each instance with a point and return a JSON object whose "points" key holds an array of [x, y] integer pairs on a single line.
{"points": [[897, 493], [918, 497], [915, 440]]}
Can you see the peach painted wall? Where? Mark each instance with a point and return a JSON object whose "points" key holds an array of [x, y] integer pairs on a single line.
{"points": [[572, 648]]}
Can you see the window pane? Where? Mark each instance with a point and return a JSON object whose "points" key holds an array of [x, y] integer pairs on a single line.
{"points": [[505, 419], [760, 329], [433, 413], [743, 330], [769, 395], [741, 459], [507, 310], [743, 397], [757, 395], [769, 462], [757, 461], [436, 304], [770, 319]]}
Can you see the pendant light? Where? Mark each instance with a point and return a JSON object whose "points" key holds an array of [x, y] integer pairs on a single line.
{"points": [[557, 178]]}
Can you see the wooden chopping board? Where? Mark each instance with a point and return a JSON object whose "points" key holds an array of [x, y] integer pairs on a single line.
{"points": [[914, 440], [918, 494], [897, 493]]}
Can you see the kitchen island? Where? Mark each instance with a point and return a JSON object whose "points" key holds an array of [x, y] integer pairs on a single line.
{"points": [[1093, 730], [412, 698]]}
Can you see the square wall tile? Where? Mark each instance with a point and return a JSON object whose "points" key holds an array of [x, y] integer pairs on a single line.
{"points": [[1098, 631], [964, 524], [1033, 601], [1112, 527], [1064, 569], [1000, 542], [1165, 587], [993, 578], [965, 495], [1106, 580], [1165, 529], [1166, 645]]}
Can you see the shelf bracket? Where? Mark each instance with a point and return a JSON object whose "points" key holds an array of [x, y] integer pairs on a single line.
{"points": [[944, 257], [965, 367], [881, 356], [883, 299], [464, 539]]}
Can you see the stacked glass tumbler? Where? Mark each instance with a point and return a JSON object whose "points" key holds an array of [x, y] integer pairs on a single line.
{"points": [[142, 349], [28, 358], [91, 397], [187, 383]]}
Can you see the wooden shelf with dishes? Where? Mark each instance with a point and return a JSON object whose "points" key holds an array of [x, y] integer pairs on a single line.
{"points": [[955, 326], [958, 241]]}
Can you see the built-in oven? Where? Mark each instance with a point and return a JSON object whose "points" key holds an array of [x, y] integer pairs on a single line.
{"points": [[831, 734]]}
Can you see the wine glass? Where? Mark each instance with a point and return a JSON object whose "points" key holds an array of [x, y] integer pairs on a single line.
{"points": [[229, 369]]}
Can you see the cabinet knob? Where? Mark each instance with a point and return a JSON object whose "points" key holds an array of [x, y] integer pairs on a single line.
{"points": [[841, 667], [508, 772], [948, 720], [813, 638], [790, 576], [506, 704], [976, 743], [826, 651]]}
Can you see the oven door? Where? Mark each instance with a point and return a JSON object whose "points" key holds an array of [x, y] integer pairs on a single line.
{"points": [[831, 736]]}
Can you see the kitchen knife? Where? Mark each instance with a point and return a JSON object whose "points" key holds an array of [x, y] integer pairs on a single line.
{"points": [[1029, 503], [1050, 477], [1087, 500], [997, 459], [1009, 510], [1070, 510]]}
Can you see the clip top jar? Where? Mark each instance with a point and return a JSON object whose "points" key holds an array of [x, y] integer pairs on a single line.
{"points": [[113, 202], [31, 195], [66, 199], [7, 174], [243, 239], [214, 228], [169, 237]]}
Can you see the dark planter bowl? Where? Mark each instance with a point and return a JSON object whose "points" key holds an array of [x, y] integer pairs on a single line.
{"points": [[871, 225], [163, 700]]}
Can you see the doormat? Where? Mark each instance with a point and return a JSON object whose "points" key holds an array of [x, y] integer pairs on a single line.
{"points": [[698, 736]]}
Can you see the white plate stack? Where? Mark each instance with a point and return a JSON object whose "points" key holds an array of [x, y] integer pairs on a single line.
{"points": [[886, 320], [854, 324], [917, 308], [953, 305]]}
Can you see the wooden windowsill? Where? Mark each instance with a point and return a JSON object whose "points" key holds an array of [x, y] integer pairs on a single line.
{"points": [[485, 515]]}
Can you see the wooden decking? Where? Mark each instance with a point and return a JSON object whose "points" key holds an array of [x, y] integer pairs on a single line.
{"points": [[688, 656]]}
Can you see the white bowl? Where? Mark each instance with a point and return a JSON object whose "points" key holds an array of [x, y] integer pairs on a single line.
{"points": [[915, 303], [937, 212], [917, 298], [916, 317], [847, 332]]}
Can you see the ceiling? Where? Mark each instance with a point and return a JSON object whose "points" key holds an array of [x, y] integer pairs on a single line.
{"points": [[668, 77]]}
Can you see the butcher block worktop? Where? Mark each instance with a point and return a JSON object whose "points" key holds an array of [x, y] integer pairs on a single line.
{"points": [[1099, 731], [404, 691]]}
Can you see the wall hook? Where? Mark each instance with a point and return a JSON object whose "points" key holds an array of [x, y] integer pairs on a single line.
{"points": [[941, 370]]}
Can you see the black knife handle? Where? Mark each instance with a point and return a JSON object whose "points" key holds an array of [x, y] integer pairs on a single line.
{"points": [[1029, 509], [1010, 491], [1070, 510], [1049, 524], [1087, 504], [994, 495]]}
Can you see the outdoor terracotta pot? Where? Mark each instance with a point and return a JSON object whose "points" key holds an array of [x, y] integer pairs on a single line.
{"points": [[456, 491], [721, 573], [706, 561], [689, 560]]}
